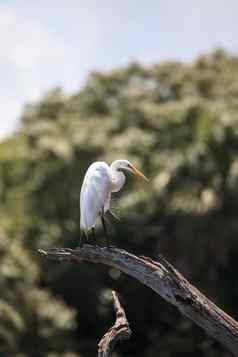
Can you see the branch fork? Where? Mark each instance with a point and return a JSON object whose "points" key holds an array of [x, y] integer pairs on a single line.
{"points": [[118, 332]]}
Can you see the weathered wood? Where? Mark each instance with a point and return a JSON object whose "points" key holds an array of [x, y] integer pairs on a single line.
{"points": [[166, 281], [119, 331]]}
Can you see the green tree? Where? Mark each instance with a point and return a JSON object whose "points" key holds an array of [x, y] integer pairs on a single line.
{"points": [[178, 122]]}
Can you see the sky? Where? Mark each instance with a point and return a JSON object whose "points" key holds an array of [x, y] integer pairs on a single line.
{"points": [[45, 43]]}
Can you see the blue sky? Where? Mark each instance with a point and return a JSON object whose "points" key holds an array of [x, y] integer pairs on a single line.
{"points": [[49, 43]]}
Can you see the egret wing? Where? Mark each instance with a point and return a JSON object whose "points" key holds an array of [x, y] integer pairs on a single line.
{"points": [[94, 193]]}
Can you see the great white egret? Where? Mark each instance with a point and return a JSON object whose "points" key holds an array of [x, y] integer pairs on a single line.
{"points": [[100, 181]]}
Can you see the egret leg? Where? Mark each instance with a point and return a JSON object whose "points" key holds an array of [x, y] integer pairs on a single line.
{"points": [[81, 240], [94, 236], [105, 229]]}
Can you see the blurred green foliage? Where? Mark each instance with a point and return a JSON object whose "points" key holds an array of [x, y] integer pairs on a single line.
{"points": [[179, 124]]}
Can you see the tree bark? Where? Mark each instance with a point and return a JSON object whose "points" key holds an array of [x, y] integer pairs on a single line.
{"points": [[166, 281], [119, 331]]}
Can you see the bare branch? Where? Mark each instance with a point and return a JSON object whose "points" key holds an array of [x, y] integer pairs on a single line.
{"points": [[119, 331], [166, 281]]}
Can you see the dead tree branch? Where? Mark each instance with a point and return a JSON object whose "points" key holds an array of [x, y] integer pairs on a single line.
{"points": [[119, 331], [166, 281]]}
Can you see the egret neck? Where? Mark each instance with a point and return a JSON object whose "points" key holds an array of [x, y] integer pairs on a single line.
{"points": [[118, 177]]}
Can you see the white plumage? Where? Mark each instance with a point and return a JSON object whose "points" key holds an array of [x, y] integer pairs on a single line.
{"points": [[99, 182], [95, 194]]}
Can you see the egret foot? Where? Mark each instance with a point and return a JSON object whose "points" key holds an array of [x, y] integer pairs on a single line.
{"points": [[111, 246]]}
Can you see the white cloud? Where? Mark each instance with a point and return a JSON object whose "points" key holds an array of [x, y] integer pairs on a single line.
{"points": [[25, 43], [30, 63], [25, 48]]}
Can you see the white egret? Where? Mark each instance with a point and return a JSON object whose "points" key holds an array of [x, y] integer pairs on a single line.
{"points": [[100, 181]]}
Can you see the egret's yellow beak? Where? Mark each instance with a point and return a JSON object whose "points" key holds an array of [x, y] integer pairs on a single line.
{"points": [[138, 173]]}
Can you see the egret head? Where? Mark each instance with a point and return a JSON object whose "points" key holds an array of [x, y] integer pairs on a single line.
{"points": [[125, 165]]}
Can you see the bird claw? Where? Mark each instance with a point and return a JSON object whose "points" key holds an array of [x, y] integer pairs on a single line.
{"points": [[111, 246]]}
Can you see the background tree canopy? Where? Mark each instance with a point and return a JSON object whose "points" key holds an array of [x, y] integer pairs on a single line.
{"points": [[179, 123]]}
